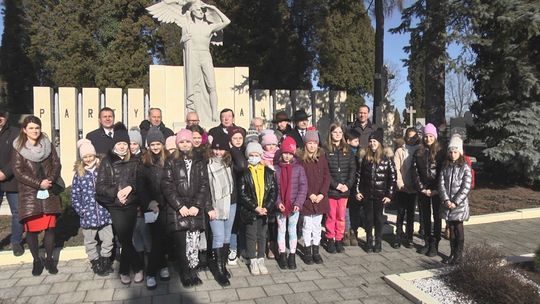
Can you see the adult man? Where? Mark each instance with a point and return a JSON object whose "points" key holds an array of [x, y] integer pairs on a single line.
{"points": [[282, 126], [102, 138], [301, 123], [154, 119], [8, 183], [192, 118], [226, 116], [257, 124], [363, 125]]}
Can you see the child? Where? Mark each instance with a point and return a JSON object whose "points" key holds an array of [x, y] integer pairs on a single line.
{"points": [[342, 165], [94, 219], [117, 188], [135, 142], [406, 195], [292, 190], [355, 211], [454, 186], [150, 172], [375, 187], [427, 164], [257, 196], [223, 210], [315, 205], [269, 143], [185, 187], [170, 144]]}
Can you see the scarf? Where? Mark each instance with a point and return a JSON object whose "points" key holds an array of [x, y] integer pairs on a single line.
{"points": [[268, 157], [92, 167], [121, 155], [221, 187], [286, 187], [188, 163], [37, 153], [192, 248], [257, 172]]}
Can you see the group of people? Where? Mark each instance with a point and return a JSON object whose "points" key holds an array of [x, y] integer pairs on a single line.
{"points": [[206, 198]]}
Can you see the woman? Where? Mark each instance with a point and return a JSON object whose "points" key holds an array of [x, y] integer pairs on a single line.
{"points": [[36, 167], [117, 189]]}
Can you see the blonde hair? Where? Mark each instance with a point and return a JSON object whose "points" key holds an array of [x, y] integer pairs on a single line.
{"points": [[79, 166], [148, 160], [305, 156], [342, 143], [375, 157]]}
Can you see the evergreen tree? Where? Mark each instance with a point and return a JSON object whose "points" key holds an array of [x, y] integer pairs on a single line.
{"points": [[506, 75]]}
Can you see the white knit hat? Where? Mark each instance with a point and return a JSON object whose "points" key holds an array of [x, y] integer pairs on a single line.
{"points": [[85, 147], [456, 143], [135, 135], [254, 147]]}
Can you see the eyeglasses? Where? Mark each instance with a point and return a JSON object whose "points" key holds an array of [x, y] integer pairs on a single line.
{"points": [[193, 120]]}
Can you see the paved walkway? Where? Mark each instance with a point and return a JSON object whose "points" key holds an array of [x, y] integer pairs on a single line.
{"points": [[352, 277]]}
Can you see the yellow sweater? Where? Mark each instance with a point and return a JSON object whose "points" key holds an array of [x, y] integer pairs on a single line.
{"points": [[257, 172]]}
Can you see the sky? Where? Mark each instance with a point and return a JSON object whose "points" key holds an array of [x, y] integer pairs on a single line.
{"points": [[393, 52]]}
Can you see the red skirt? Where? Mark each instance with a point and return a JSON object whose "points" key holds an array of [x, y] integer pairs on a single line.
{"points": [[40, 223]]}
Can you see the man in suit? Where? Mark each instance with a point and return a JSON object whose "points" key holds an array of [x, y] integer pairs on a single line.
{"points": [[226, 116], [154, 119], [102, 138], [301, 123]]}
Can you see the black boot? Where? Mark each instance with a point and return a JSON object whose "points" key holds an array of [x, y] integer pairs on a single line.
{"points": [[433, 247], [37, 267], [424, 249], [282, 260], [459, 251], [408, 243], [195, 280], [223, 259], [317, 258], [50, 265], [449, 259], [308, 256], [97, 267], [216, 269], [339, 246], [331, 246], [378, 246], [369, 243], [106, 264], [291, 261], [397, 241], [203, 260]]}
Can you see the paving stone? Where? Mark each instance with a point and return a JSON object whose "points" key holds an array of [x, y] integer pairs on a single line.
{"points": [[6, 274], [161, 289], [140, 300], [331, 283], [71, 297], [250, 293], [12, 292], [30, 291], [208, 285], [99, 295], [29, 281], [238, 282], [277, 289], [63, 287], [114, 283], [299, 298], [198, 297], [376, 300], [352, 281], [298, 287], [80, 270], [42, 299], [398, 299], [242, 302], [91, 284], [23, 273], [174, 298], [60, 277], [7, 283], [127, 293], [332, 272], [260, 280], [271, 300], [83, 276], [378, 289], [308, 275], [284, 278], [223, 295], [326, 296], [352, 293]]}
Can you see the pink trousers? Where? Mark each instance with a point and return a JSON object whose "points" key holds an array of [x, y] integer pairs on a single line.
{"points": [[335, 219]]}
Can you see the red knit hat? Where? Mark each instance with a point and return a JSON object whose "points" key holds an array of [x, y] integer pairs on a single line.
{"points": [[288, 145]]}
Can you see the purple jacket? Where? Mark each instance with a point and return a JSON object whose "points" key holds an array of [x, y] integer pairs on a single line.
{"points": [[299, 184]]}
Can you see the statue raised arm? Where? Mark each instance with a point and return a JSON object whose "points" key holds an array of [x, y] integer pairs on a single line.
{"points": [[201, 25]]}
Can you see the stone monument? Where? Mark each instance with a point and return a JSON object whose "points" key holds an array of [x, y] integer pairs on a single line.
{"points": [[201, 25]]}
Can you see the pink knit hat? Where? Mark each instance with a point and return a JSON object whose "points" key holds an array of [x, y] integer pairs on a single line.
{"points": [[85, 147], [184, 134], [430, 129], [269, 139], [288, 145], [170, 142]]}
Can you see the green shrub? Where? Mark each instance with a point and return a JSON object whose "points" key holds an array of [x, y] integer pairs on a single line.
{"points": [[65, 198], [537, 259], [481, 277]]}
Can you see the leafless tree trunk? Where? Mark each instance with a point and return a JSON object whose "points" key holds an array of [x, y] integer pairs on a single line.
{"points": [[459, 94]]}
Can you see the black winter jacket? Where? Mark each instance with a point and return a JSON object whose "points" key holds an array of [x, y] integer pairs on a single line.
{"points": [[342, 167], [376, 181], [113, 175], [150, 175], [178, 192], [239, 165], [8, 134], [425, 173], [247, 198]]}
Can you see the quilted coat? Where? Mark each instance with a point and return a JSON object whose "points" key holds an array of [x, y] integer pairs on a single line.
{"points": [[376, 181], [342, 167], [454, 185], [83, 200], [298, 187]]}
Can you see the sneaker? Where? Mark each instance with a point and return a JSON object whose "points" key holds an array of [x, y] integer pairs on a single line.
{"points": [[164, 274], [18, 249], [254, 267], [151, 282], [138, 277], [233, 258], [262, 268], [125, 279]]}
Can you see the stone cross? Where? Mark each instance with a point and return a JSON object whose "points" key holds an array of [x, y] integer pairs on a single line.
{"points": [[411, 112]]}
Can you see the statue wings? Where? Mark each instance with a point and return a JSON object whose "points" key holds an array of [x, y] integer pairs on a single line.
{"points": [[170, 11]]}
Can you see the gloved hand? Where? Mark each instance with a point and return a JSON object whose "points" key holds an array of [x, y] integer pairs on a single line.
{"points": [[154, 206]]}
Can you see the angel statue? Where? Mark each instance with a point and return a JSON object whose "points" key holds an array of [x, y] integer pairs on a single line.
{"points": [[201, 25]]}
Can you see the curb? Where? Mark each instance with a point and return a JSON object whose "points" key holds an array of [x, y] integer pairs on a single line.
{"points": [[402, 282]]}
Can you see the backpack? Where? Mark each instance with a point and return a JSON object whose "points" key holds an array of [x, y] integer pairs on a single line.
{"points": [[473, 173]]}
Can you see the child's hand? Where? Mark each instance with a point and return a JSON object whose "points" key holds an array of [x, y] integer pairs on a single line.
{"points": [[259, 210], [281, 208], [193, 211], [319, 198], [344, 188], [264, 211], [212, 214], [359, 196], [295, 209], [184, 211], [386, 200], [313, 198]]}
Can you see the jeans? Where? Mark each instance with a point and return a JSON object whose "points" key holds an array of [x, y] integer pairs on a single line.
{"points": [[106, 236], [406, 203], [311, 229], [374, 215], [256, 238], [426, 204], [221, 229], [335, 219], [16, 226], [283, 228]]}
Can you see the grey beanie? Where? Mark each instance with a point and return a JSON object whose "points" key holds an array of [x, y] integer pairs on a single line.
{"points": [[254, 147], [154, 134], [135, 136]]}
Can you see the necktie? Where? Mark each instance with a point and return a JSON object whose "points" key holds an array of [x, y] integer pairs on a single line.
{"points": [[302, 133], [109, 134]]}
